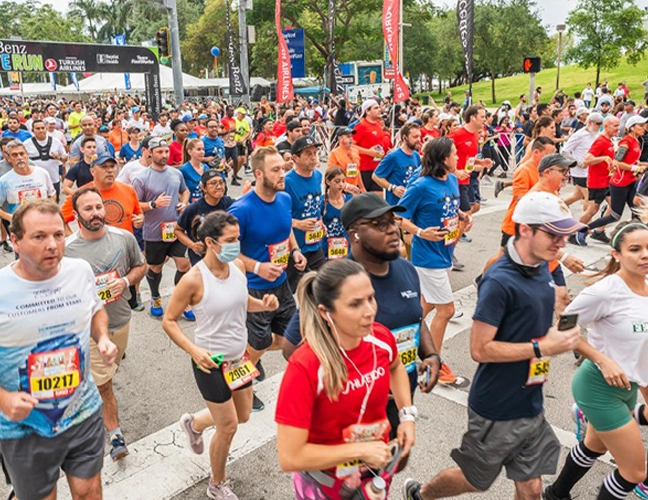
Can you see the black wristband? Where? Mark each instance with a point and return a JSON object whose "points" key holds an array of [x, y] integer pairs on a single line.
{"points": [[536, 349], [152, 203], [293, 251], [435, 355]]}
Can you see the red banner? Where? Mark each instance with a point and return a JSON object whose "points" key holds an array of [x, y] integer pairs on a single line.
{"points": [[284, 76], [391, 31]]}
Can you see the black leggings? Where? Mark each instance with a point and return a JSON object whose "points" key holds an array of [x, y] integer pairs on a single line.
{"points": [[619, 198]]}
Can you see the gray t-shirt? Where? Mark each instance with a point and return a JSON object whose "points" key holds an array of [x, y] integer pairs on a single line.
{"points": [[112, 256], [102, 146], [151, 183]]}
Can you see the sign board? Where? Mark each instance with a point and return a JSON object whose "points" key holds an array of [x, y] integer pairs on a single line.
{"points": [[532, 64], [348, 79], [297, 50]]}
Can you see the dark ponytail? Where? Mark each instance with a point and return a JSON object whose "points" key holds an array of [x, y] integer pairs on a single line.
{"points": [[211, 225]]}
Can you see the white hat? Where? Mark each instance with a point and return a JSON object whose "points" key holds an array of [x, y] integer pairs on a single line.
{"points": [[582, 111], [635, 120], [444, 116], [547, 210], [506, 102], [367, 105], [595, 117], [49, 119]]}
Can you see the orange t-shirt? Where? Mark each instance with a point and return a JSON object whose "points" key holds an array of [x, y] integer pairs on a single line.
{"points": [[524, 178], [121, 204], [341, 157], [117, 139]]}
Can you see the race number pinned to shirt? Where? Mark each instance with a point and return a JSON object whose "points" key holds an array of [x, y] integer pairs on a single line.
{"points": [[338, 248], [26, 195], [316, 235], [102, 280], [54, 374], [279, 253], [451, 224], [361, 433], [538, 370], [168, 231], [239, 372], [352, 170], [408, 339]]}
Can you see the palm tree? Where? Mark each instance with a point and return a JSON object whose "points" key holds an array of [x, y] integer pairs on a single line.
{"points": [[90, 12], [117, 15]]}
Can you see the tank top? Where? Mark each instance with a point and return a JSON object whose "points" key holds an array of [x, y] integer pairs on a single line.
{"points": [[221, 313]]}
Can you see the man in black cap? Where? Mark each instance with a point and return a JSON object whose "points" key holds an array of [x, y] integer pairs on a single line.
{"points": [[304, 185], [293, 132]]}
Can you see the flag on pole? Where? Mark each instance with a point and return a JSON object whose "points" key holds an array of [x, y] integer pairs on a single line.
{"points": [[75, 80], [466, 20], [284, 76], [53, 80], [391, 31], [121, 40], [236, 83]]}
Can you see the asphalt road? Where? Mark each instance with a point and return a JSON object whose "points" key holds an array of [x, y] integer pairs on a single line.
{"points": [[155, 386]]}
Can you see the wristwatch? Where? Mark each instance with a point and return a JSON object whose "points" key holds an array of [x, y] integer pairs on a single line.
{"points": [[408, 414], [152, 203]]}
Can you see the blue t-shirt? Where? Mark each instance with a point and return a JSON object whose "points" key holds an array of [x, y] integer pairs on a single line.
{"points": [[522, 309], [332, 219], [397, 168], [21, 135], [111, 149], [128, 153], [432, 202], [307, 202], [200, 207], [193, 135], [192, 180], [214, 146], [265, 233]]}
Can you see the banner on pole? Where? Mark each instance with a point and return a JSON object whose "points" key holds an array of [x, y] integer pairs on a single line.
{"points": [[391, 31], [285, 90], [121, 40], [335, 80], [75, 80], [53, 80], [466, 20], [236, 84]]}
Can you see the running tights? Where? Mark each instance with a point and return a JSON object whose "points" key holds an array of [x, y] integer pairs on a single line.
{"points": [[619, 198]]}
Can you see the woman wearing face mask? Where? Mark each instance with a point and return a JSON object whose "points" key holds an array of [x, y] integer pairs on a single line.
{"points": [[216, 289], [333, 436]]}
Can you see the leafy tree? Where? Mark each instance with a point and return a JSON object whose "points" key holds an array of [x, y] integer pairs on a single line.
{"points": [[90, 12], [604, 31], [208, 31]]}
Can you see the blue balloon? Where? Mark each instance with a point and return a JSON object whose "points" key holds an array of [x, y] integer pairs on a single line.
{"points": [[215, 51]]}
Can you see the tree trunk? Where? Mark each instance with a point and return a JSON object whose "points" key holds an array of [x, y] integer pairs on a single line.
{"points": [[598, 73], [493, 88]]}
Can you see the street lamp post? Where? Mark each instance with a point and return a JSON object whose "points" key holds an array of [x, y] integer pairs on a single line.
{"points": [[559, 28]]}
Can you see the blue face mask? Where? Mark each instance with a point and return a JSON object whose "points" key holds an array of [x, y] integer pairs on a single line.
{"points": [[229, 252]]}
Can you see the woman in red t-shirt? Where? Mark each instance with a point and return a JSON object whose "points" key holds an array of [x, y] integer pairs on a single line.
{"points": [[265, 137], [430, 128], [331, 410]]}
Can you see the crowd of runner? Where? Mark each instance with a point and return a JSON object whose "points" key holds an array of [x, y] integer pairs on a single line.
{"points": [[98, 196]]}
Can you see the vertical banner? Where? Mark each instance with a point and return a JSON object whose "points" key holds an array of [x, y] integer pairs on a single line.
{"points": [[391, 30], [75, 80], [236, 83], [53, 80], [121, 40], [14, 80], [297, 51], [335, 75], [466, 20], [284, 76]]}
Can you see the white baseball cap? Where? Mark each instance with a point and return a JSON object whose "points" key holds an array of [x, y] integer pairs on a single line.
{"points": [[595, 117], [367, 105], [547, 210], [635, 120], [582, 111]]}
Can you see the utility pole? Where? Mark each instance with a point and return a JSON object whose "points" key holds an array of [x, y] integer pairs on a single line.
{"points": [[243, 46], [176, 59], [559, 28]]}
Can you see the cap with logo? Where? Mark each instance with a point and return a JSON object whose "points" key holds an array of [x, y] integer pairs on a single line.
{"points": [[209, 174], [556, 160], [345, 131], [302, 143], [157, 142], [366, 206], [548, 211], [103, 158]]}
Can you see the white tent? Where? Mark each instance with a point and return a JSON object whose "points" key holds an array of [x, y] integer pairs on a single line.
{"points": [[108, 82], [30, 89], [224, 82]]}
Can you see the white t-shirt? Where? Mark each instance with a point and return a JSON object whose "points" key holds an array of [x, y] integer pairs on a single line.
{"points": [[57, 134], [164, 132], [617, 324], [18, 189], [587, 94], [51, 165], [129, 171]]}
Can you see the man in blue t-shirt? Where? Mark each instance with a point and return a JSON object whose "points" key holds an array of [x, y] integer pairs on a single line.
{"points": [[267, 245], [14, 130], [214, 144], [397, 168], [512, 339], [304, 185]]}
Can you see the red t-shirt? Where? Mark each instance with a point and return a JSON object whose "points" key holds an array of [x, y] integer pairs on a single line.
{"points": [[303, 403], [434, 133], [598, 174], [279, 128], [175, 154], [467, 144], [367, 136], [622, 178], [228, 123]]}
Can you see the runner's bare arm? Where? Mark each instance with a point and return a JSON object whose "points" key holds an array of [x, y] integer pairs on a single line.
{"points": [[99, 333]]}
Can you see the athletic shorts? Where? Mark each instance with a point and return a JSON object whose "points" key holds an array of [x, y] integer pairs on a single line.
{"points": [[526, 447], [369, 184], [212, 386], [435, 285], [598, 195], [606, 407], [505, 238], [157, 251], [580, 181], [34, 462], [314, 260], [231, 154], [242, 149], [465, 197], [261, 325], [101, 373]]}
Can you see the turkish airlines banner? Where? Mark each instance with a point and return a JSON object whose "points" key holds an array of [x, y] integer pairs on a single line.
{"points": [[284, 76], [466, 20], [391, 30]]}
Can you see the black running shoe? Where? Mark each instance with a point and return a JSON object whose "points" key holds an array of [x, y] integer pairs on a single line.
{"points": [[257, 404], [600, 236]]}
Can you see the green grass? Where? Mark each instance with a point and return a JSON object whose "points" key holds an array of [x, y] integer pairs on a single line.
{"points": [[572, 79]]}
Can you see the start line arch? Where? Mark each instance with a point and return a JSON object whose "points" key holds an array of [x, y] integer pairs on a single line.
{"points": [[39, 57]]}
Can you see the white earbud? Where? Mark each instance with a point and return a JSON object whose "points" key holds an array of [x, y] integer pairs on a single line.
{"points": [[356, 236]]}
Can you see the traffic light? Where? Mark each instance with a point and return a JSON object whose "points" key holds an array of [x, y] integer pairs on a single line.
{"points": [[162, 42], [532, 65]]}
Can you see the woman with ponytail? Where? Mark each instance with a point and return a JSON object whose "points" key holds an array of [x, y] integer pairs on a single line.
{"points": [[616, 365], [216, 289], [331, 410]]}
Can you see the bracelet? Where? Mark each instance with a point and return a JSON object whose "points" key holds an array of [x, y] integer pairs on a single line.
{"points": [[418, 232], [564, 256], [435, 356], [127, 282], [536, 349], [408, 418], [256, 267]]}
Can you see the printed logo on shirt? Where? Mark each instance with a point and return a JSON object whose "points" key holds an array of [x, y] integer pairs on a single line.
{"points": [[640, 327], [409, 294], [312, 204], [367, 378]]}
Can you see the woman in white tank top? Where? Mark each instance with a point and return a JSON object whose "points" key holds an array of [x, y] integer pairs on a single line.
{"points": [[216, 289]]}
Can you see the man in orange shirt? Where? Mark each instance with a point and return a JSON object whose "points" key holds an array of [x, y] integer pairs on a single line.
{"points": [[347, 157]]}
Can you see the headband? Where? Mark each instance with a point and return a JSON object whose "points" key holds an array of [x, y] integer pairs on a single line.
{"points": [[632, 224]]}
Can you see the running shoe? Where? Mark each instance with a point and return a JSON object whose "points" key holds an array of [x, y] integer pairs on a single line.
{"points": [[457, 315], [548, 494], [221, 491], [465, 238], [411, 489], [7, 247], [118, 449], [257, 404], [196, 442], [189, 314], [456, 265], [600, 236], [581, 239], [12, 495], [140, 304], [641, 490], [446, 376], [248, 171], [235, 182], [499, 187], [156, 307], [604, 207], [581, 422]]}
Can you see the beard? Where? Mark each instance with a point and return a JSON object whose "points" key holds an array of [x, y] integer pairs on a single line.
{"points": [[386, 256], [88, 224]]}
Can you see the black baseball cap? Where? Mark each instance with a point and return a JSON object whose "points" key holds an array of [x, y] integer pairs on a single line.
{"points": [[345, 131], [146, 140], [302, 143], [366, 206], [208, 175], [292, 125], [556, 160]]}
